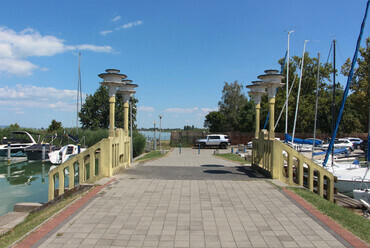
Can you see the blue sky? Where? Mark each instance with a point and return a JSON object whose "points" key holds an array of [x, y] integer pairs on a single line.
{"points": [[180, 53]]}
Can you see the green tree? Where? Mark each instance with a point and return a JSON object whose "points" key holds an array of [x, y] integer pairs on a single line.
{"points": [[215, 121], [233, 99], [359, 85], [94, 112], [15, 126], [55, 126], [247, 117]]}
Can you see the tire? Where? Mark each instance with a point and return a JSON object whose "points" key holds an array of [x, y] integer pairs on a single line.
{"points": [[223, 146], [202, 145]]}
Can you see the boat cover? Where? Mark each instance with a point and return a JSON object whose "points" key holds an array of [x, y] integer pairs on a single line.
{"points": [[288, 138]]}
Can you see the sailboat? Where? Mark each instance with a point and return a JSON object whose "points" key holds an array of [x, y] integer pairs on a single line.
{"points": [[70, 150]]}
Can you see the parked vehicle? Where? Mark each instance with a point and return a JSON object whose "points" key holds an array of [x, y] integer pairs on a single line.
{"points": [[219, 140], [340, 143], [356, 142]]}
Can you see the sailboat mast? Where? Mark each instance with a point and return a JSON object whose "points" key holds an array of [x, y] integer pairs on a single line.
{"points": [[333, 104], [287, 86], [299, 92], [316, 106], [78, 91]]}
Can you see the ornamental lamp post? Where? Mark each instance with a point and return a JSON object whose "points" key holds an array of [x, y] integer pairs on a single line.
{"points": [[257, 90], [112, 79], [126, 89], [271, 81]]}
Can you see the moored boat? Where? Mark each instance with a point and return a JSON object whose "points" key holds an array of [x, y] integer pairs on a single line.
{"points": [[18, 142]]}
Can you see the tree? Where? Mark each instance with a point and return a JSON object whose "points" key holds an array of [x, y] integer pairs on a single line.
{"points": [[15, 126], [215, 121], [233, 99], [55, 126], [359, 84], [94, 112]]}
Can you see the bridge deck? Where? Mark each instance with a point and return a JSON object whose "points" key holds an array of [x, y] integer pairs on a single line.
{"points": [[191, 200]]}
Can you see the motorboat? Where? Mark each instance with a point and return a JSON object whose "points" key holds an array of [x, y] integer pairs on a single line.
{"points": [[34, 152], [65, 153], [18, 142], [349, 180]]}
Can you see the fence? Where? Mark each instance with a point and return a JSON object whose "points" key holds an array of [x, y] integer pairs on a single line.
{"points": [[103, 159], [282, 162], [188, 138]]}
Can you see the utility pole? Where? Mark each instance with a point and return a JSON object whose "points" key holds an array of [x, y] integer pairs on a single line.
{"points": [[160, 131], [155, 140]]}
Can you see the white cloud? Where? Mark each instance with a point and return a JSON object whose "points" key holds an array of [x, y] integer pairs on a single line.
{"points": [[145, 109], [130, 25], [22, 97], [98, 49], [17, 67], [105, 32], [116, 18], [181, 110], [16, 46]]}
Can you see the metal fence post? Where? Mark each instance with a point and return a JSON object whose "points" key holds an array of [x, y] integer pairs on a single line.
{"points": [[180, 148]]}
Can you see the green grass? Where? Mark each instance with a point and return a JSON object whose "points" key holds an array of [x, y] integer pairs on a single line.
{"points": [[232, 157], [150, 156], [33, 220], [356, 224]]}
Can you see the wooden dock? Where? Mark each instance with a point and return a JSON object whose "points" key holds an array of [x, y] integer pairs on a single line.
{"points": [[346, 201]]}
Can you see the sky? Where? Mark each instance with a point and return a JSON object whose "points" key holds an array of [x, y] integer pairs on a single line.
{"points": [[180, 53]]}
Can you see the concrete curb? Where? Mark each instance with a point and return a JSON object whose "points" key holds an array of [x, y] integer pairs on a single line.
{"points": [[338, 229], [44, 228]]}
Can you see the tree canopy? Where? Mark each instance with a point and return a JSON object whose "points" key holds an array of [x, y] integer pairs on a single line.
{"points": [[94, 112]]}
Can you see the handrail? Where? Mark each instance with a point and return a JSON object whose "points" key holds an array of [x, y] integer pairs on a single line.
{"points": [[280, 161], [103, 159]]}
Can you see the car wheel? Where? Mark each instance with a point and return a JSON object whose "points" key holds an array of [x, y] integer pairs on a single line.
{"points": [[202, 145], [223, 146]]}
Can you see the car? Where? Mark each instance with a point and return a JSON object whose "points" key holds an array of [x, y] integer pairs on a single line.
{"points": [[356, 142], [249, 145], [340, 143], [218, 140]]}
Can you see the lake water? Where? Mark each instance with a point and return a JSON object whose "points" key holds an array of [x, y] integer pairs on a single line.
{"points": [[150, 134], [23, 182]]}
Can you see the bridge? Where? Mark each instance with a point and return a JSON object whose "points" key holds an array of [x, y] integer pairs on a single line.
{"points": [[187, 200]]}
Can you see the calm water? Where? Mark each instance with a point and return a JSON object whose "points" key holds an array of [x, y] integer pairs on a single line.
{"points": [[23, 182], [150, 134]]}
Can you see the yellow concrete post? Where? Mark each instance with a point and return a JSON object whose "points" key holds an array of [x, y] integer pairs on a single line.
{"points": [[71, 177], [330, 190], [272, 118], [300, 172], [51, 187], [258, 109], [320, 184], [126, 106], [310, 179], [61, 182], [290, 169], [112, 102]]}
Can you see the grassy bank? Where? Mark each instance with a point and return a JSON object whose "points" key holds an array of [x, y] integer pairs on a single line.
{"points": [[232, 157], [356, 224], [33, 220], [150, 156]]}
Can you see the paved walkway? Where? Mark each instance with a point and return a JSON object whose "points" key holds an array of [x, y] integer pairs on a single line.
{"points": [[177, 202]]}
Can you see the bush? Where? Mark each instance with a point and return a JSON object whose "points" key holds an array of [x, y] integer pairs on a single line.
{"points": [[139, 142]]}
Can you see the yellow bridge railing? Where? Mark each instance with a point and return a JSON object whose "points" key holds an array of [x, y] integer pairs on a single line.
{"points": [[282, 162], [103, 159]]}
